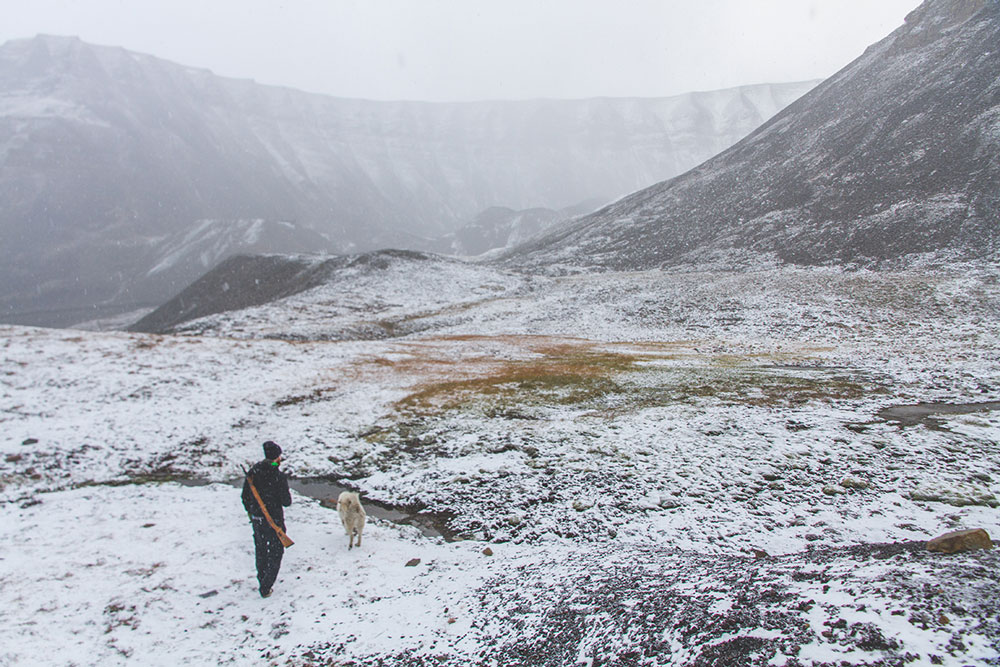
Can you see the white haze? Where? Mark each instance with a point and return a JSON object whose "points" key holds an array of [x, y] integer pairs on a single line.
{"points": [[454, 50]]}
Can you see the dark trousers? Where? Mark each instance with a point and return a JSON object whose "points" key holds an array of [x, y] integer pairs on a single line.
{"points": [[269, 552]]}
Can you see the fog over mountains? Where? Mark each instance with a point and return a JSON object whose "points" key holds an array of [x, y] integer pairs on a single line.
{"points": [[125, 177], [568, 454], [892, 161]]}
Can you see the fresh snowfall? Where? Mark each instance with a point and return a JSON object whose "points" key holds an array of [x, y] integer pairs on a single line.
{"points": [[649, 468]]}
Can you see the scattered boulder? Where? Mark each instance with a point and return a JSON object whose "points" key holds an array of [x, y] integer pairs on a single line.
{"points": [[413, 562], [487, 551], [961, 540], [851, 482], [959, 495]]}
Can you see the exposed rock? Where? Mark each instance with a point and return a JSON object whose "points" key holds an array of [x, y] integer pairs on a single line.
{"points": [[961, 540], [854, 483], [413, 562], [959, 495]]}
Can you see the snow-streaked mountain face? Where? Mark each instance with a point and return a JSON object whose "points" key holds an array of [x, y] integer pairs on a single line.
{"points": [[499, 227], [896, 158], [109, 160]]}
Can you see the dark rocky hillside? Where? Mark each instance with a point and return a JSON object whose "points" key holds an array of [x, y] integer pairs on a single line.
{"points": [[241, 281], [244, 281], [892, 161]]}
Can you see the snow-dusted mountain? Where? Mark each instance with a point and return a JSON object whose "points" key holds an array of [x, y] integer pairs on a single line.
{"points": [[123, 177], [893, 159], [501, 227]]}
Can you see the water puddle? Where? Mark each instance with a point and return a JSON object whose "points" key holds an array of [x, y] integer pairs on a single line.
{"points": [[923, 413]]}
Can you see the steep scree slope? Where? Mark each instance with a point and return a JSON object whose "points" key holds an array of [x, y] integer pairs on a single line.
{"points": [[895, 156]]}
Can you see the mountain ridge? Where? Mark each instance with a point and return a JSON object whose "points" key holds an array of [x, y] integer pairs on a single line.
{"points": [[109, 159]]}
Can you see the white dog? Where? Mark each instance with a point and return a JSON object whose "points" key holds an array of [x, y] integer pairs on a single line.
{"points": [[352, 515]]}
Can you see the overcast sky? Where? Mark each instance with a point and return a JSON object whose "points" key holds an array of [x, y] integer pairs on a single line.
{"points": [[453, 50]]}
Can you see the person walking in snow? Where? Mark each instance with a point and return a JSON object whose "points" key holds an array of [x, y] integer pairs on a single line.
{"points": [[271, 485]]}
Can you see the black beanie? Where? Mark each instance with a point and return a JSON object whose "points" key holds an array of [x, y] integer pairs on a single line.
{"points": [[271, 450]]}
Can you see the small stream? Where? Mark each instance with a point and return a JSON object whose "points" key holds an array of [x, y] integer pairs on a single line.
{"points": [[326, 491], [923, 413]]}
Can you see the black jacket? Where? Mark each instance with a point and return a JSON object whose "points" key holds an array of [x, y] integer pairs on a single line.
{"points": [[272, 485]]}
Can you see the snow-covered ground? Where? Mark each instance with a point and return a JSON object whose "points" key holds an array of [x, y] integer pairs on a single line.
{"points": [[666, 469]]}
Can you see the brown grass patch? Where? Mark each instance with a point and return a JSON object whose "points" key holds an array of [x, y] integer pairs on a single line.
{"points": [[562, 376], [513, 375]]}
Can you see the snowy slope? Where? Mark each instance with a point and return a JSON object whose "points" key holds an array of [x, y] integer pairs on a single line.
{"points": [[893, 160], [362, 293], [627, 445]]}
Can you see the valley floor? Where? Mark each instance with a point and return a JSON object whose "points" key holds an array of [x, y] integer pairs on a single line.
{"points": [[675, 469]]}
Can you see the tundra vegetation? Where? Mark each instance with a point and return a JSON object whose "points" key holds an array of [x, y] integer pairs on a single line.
{"points": [[672, 467]]}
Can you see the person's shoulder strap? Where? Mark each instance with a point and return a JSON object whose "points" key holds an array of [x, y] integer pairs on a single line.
{"points": [[285, 540]]}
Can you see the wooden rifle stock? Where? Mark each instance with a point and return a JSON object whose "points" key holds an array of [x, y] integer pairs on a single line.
{"points": [[286, 541]]}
